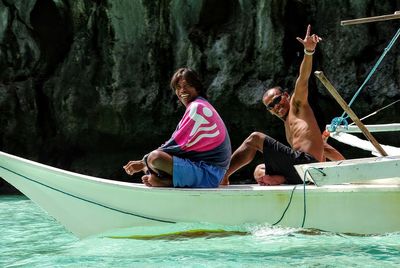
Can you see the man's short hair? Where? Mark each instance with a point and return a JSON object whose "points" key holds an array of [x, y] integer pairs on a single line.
{"points": [[275, 87]]}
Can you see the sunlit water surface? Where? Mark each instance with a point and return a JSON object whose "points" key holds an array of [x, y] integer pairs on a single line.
{"points": [[30, 238]]}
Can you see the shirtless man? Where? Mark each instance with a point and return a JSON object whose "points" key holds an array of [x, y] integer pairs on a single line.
{"points": [[301, 128]]}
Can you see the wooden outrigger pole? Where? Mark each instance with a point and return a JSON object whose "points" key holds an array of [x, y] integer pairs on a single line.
{"points": [[396, 15], [320, 75], [349, 111]]}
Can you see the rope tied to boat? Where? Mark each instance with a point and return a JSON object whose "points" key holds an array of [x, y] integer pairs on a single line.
{"points": [[304, 196], [337, 121]]}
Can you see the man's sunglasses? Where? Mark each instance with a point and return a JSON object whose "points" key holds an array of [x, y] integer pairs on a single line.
{"points": [[274, 102]]}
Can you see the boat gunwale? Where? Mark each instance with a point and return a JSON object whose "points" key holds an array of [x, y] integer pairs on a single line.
{"points": [[222, 189]]}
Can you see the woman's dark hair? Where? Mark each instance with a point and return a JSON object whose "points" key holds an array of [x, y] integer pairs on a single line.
{"points": [[191, 77]]}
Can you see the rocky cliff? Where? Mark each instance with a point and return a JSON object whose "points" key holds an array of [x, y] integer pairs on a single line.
{"points": [[84, 83]]}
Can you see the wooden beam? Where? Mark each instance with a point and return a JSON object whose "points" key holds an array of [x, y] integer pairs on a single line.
{"points": [[349, 111], [396, 15]]}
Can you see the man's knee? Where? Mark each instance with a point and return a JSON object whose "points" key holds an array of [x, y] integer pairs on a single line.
{"points": [[256, 140]]}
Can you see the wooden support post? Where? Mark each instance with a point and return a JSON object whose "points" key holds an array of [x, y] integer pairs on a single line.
{"points": [[349, 111], [396, 15]]}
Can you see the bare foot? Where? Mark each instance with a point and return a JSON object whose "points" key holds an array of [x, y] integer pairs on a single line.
{"points": [[225, 181], [152, 180], [270, 180], [145, 180]]}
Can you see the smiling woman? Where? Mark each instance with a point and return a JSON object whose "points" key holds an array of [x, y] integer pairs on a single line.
{"points": [[198, 153], [186, 77], [185, 92]]}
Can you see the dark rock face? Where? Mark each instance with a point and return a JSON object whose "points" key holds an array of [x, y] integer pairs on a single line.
{"points": [[84, 85]]}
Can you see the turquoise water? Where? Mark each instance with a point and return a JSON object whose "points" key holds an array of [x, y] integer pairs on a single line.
{"points": [[30, 238]]}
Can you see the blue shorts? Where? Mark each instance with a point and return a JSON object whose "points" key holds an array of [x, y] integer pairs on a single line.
{"points": [[195, 174]]}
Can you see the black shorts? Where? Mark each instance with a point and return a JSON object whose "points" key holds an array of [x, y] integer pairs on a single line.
{"points": [[280, 159]]}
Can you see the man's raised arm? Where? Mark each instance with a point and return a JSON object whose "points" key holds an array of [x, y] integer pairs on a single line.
{"points": [[310, 43]]}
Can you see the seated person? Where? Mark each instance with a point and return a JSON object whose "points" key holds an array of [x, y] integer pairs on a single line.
{"points": [[301, 128], [198, 153]]}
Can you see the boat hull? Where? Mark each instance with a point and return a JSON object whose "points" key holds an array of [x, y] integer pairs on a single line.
{"points": [[88, 205]]}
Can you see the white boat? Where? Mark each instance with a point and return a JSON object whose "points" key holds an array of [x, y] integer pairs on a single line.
{"points": [[88, 205]]}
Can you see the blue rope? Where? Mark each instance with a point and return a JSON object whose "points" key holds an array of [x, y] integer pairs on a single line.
{"points": [[287, 207], [336, 122], [304, 191], [304, 200]]}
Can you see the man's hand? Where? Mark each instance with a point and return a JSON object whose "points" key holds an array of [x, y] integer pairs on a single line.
{"points": [[309, 42]]}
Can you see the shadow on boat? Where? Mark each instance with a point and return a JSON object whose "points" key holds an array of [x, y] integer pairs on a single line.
{"points": [[260, 231], [190, 234]]}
